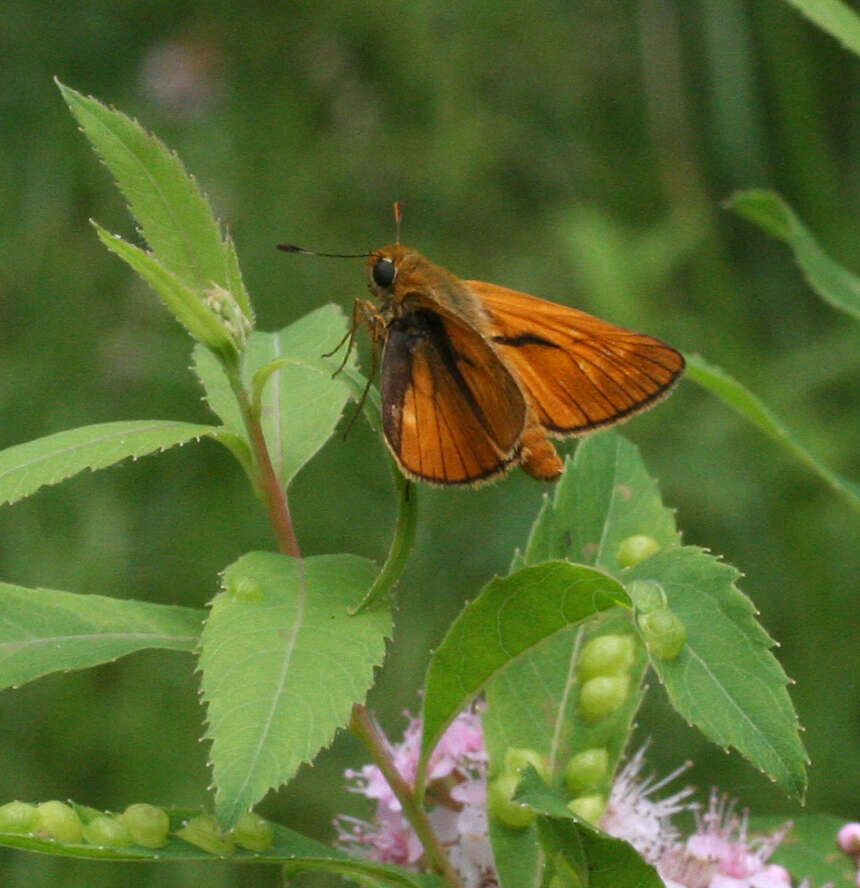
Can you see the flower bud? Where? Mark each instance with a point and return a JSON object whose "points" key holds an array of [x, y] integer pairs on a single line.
{"points": [[107, 832], [848, 838], [253, 832], [647, 595], [17, 817], [517, 759], [663, 632], [147, 824], [636, 548], [205, 832], [602, 695], [588, 807], [245, 589], [59, 821], [501, 805], [606, 655], [224, 306], [586, 769]]}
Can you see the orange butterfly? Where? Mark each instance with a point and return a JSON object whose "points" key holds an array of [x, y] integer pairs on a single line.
{"points": [[476, 377]]}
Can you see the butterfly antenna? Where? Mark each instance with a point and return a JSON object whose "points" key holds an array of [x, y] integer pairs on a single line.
{"points": [[398, 218], [292, 248]]}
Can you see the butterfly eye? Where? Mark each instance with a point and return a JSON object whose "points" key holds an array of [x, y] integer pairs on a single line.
{"points": [[384, 273]]}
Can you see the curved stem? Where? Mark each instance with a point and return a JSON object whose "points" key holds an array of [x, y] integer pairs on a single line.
{"points": [[365, 729], [401, 544]]}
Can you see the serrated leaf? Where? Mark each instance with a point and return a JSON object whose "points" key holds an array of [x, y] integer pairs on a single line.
{"points": [[186, 305], [744, 402], [301, 401], [235, 282], [809, 851], [174, 217], [835, 17], [833, 283], [282, 666], [510, 617], [604, 496], [43, 631], [726, 681], [24, 468], [289, 848]]}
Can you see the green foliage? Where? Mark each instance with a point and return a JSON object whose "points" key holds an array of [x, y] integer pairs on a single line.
{"points": [[742, 401], [607, 497], [281, 626], [174, 217], [293, 850], [835, 17], [43, 631], [725, 680], [833, 283], [262, 659], [25, 468], [301, 400], [511, 616]]}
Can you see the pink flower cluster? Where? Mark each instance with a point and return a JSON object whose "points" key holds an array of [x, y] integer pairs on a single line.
{"points": [[849, 842], [457, 797], [719, 854]]}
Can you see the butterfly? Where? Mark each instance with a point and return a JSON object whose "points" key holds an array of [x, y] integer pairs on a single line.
{"points": [[476, 378]]}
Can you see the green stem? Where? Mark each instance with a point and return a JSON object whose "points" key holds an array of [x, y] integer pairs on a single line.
{"points": [[365, 729], [273, 491], [401, 544]]}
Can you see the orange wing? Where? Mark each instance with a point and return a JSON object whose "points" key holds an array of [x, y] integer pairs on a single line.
{"points": [[578, 372], [452, 412]]}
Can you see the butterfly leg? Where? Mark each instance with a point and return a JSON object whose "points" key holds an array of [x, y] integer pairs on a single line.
{"points": [[538, 455]]}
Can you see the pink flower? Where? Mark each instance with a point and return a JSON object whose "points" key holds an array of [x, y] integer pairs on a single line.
{"points": [[719, 854]]}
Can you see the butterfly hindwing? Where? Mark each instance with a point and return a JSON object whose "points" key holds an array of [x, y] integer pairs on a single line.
{"points": [[453, 413]]}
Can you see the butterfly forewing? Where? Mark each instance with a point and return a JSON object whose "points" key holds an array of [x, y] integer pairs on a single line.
{"points": [[578, 372], [452, 411]]}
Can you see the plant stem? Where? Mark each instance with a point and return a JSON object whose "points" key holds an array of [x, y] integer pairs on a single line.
{"points": [[273, 492], [363, 726]]}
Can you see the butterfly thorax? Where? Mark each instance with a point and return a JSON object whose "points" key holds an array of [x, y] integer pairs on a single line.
{"points": [[419, 284]]}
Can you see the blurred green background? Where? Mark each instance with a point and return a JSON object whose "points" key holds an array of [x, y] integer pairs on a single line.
{"points": [[578, 151]]}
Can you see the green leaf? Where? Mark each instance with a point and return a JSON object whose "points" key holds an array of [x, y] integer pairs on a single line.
{"points": [[726, 681], [744, 402], [835, 17], [510, 617], [25, 468], [301, 401], [809, 851], [603, 497], [295, 851], [174, 217], [833, 283], [43, 631], [186, 305], [218, 392], [282, 664], [610, 862]]}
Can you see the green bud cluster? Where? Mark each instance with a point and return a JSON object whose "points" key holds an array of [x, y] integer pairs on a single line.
{"points": [[500, 792], [584, 775], [662, 630], [139, 824], [223, 304], [604, 670], [636, 548]]}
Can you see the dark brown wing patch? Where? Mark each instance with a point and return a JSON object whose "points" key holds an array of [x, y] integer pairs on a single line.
{"points": [[452, 412]]}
